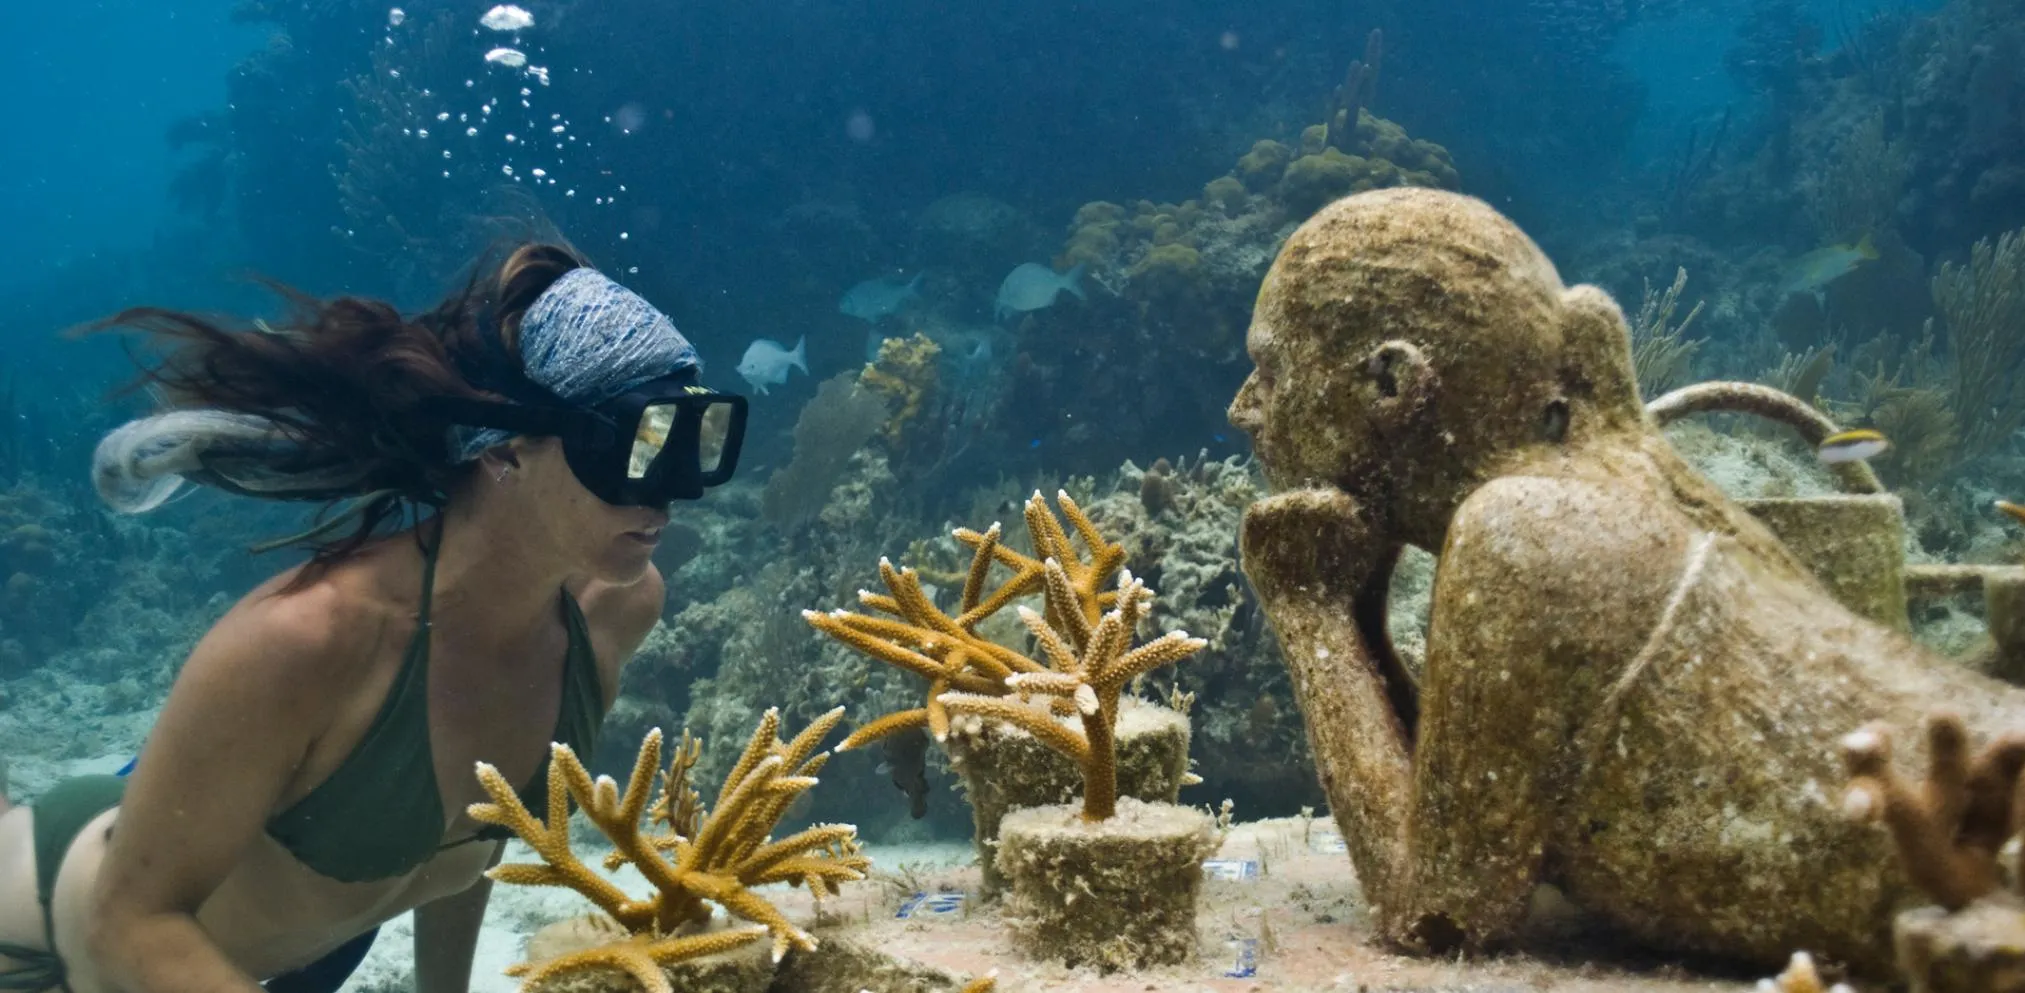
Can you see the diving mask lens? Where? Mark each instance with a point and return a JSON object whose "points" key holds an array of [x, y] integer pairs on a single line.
{"points": [[659, 421], [651, 437]]}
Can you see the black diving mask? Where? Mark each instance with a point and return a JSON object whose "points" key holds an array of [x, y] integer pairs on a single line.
{"points": [[667, 439]]}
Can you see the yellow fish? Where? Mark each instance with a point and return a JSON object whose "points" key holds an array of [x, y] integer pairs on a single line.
{"points": [[1812, 272], [1851, 446], [2015, 511]]}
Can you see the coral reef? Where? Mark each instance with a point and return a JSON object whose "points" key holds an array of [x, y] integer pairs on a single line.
{"points": [[1653, 630], [1982, 305], [834, 425], [705, 856], [1155, 356], [906, 374], [1177, 522]]}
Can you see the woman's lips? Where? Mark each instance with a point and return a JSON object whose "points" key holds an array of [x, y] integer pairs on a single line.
{"points": [[650, 536]]}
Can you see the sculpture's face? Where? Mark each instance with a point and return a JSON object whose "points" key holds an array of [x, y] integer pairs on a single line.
{"points": [[1309, 412]]}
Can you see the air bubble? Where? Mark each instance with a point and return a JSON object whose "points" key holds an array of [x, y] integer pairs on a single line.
{"points": [[540, 173], [558, 129], [623, 236], [470, 132], [443, 115], [510, 139]]}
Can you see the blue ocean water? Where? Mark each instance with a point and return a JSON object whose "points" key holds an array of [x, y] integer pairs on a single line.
{"points": [[1018, 244]]}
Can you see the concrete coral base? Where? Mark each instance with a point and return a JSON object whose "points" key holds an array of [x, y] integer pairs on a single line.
{"points": [[1114, 895], [1004, 768], [1853, 543], [747, 969], [1978, 949]]}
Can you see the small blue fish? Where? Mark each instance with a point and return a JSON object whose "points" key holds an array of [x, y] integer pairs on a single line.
{"points": [[876, 299], [766, 363]]}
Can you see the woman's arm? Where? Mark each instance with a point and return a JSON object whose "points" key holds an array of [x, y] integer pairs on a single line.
{"points": [[255, 693], [446, 936]]}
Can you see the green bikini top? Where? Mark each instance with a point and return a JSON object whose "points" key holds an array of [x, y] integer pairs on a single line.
{"points": [[380, 814]]}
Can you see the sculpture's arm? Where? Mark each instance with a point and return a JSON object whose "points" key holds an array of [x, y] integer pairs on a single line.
{"points": [[1544, 586], [1320, 570]]}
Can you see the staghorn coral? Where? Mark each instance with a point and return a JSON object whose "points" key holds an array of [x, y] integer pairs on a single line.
{"points": [[1950, 828], [1956, 834], [1176, 521], [1091, 666], [703, 857], [918, 637], [1800, 977]]}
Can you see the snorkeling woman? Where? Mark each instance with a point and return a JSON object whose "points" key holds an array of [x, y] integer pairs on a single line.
{"points": [[509, 458]]}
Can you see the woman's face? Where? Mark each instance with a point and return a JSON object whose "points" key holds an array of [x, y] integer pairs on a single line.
{"points": [[614, 544]]}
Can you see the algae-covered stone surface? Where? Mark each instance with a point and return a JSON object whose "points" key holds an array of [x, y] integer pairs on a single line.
{"points": [[1118, 894]]}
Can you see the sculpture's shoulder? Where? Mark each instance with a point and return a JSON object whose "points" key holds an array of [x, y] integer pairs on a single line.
{"points": [[1577, 541]]}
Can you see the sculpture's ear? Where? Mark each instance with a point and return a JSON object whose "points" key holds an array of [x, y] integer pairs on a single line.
{"points": [[1596, 348], [1403, 378]]}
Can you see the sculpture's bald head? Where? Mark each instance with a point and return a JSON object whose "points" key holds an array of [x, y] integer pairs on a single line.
{"points": [[1405, 338]]}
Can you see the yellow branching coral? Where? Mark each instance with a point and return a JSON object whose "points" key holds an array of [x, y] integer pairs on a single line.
{"points": [[946, 650], [1950, 828], [1084, 631], [1092, 670], [703, 857], [906, 375]]}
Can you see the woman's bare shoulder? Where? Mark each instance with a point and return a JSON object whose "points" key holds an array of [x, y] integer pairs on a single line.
{"points": [[301, 635]]}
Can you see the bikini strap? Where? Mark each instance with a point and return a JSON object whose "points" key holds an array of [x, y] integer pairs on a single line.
{"points": [[430, 548]]}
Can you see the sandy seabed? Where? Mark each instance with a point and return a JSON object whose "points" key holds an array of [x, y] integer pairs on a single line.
{"points": [[1280, 912]]}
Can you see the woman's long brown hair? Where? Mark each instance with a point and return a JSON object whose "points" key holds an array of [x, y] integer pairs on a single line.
{"points": [[344, 380]]}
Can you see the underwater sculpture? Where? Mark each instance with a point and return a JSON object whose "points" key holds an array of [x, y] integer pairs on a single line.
{"points": [[704, 857], [1628, 680]]}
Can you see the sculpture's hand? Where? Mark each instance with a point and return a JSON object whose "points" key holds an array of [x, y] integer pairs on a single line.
{"points": [[1320, 566], [1312, 545]]}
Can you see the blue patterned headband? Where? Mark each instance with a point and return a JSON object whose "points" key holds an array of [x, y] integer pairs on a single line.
{"points": [[588, 339]]}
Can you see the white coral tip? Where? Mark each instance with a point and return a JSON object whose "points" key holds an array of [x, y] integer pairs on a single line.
{"points": [[1086, 699], [1861, 742], [1858, 804]]}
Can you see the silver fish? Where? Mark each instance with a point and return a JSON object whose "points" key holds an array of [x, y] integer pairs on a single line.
{"points": [[1032, 286], [766, 363], [875, 299]]}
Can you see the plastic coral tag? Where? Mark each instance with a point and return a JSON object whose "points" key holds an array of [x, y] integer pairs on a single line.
{"points": [[930, 905], [1244, 957], [1231, 870]]}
